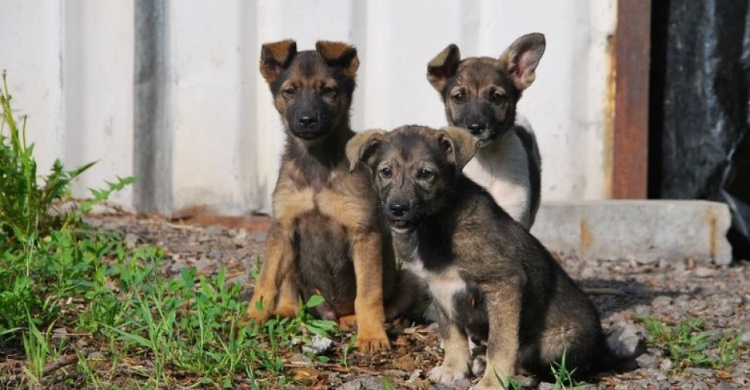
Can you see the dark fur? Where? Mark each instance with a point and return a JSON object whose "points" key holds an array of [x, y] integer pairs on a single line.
{"points": [[327, 237], [451, 224]]}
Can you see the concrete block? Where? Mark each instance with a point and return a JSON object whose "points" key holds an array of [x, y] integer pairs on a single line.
{"points": [[642, 230]]}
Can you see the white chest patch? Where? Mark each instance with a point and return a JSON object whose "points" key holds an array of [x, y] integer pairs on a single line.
{"points": [[502, 168], [443, 285]]}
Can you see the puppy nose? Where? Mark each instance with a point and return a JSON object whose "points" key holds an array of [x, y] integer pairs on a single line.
{"points": [[398, 209], [307, 121], [476, 128]]}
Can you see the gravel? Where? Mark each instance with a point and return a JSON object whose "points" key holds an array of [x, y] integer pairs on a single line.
{"points": [[622, 290]]}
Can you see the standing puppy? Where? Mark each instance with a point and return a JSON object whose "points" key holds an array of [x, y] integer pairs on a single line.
{"points": [[480, 95], [512, 297], [326, 236]]}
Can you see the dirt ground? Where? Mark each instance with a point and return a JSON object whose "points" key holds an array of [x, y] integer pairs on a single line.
{"points": [[622, 291]]}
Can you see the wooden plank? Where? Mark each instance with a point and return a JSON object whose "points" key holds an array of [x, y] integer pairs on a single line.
{"points": [[632, 59]]}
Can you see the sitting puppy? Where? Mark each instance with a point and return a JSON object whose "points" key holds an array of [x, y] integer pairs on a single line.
{"points": [[480, 94], [491, 279], [327, 236]]}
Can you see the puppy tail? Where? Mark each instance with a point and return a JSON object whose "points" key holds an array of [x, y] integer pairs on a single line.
{"points": [[609, 361]]}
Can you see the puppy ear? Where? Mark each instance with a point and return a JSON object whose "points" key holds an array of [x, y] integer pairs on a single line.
{"points": [[339, 54], [362, 147], [522, 57], [458, 144], [443, 67], [275, 57]]}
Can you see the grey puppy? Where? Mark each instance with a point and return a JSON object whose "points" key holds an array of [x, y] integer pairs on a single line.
{"points": [[492, 281], [480, 94]]}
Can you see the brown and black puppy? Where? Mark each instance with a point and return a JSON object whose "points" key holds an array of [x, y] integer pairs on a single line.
{"points": [[327, 236], [480, 95], [491, 279]]}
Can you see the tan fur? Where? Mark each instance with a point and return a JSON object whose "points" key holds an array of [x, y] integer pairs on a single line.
{"points": [[335, 51], [273, 54], [316, 186], [339, 201]]}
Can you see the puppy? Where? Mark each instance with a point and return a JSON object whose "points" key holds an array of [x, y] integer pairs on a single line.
{"points": [[327, 237], [480, 95], [491, 280]]}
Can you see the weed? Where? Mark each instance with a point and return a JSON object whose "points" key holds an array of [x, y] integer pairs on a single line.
{"points": [[54, 269], [688, 344]]}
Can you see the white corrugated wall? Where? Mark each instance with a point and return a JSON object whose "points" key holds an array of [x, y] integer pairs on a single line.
{"points": [[70, 66]]}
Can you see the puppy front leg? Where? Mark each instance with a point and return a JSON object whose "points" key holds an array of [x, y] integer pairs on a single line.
{"points": [[368, 304], [278, 263], [456, 347], [504, 313]]}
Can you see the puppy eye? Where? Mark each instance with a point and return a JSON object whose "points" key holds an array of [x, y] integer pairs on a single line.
{"points": [[330, 91], [425, 174], [459, 97], [386, 173], [497, 98], [289, 91]]}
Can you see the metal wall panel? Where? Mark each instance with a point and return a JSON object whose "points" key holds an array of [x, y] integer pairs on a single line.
{"points": [[71, 68]]}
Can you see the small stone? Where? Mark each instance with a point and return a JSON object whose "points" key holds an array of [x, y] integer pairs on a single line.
{"points": [[300, 359], [725, 310], [661, 377], [726, 386], [396, 374], [415, 375], [462, 383], [646, 361], [661, 301], [59, 334], [700, 386], [703, 272], [318, 345], [241, 238], [627, 341], [700, 371], [666, 365], [367, 382], [131, 240], [96, 356], [525, 381], [642, 310], [745, 339]]}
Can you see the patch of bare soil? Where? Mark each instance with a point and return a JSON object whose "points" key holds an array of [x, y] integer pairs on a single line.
{"points": [[622, 290]]}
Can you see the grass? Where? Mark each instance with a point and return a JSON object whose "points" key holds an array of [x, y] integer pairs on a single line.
{"points": [[132, 326], [688, 344]]}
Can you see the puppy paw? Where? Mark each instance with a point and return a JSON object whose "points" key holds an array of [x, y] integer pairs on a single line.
{"points": [[287, 310], [347, 323], [369, 342], [254, 315], [447, 374], [479, 365]]}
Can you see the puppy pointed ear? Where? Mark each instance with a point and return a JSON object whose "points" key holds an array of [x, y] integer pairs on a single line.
{"points": [[443, 67], [339, 54], [458, 144], [521, 58], [275, 57], [362, 147]]}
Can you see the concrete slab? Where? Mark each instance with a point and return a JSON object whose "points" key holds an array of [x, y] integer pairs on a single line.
{"points": [[642, 230]]}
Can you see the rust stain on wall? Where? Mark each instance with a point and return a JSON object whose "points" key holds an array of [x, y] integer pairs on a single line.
{"points": [[586, 238], [609, 116], [712, 236]]}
